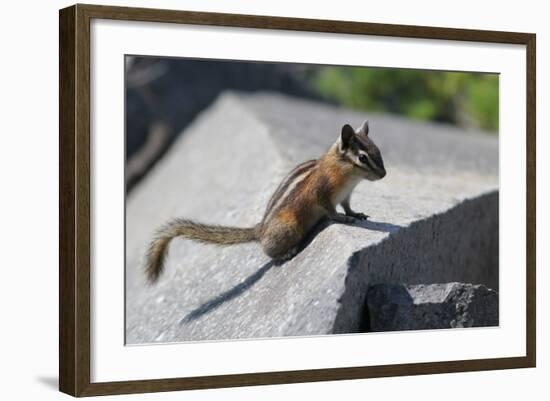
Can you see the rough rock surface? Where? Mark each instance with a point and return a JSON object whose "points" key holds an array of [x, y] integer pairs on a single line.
{"points": [[433, 219], [392, 307]]}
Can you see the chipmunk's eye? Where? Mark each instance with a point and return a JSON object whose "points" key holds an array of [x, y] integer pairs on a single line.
{"points": [[363, 158]]}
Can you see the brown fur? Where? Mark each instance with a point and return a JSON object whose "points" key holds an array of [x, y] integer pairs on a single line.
{"points": [[309, 202], [212, 234]]}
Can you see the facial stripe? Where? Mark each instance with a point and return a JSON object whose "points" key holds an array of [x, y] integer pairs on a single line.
{"points": [[366, 146], [369, 162], [362, 142], [377, 160]]}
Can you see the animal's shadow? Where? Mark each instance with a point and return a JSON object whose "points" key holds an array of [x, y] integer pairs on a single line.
{"points": [[251, 280]]}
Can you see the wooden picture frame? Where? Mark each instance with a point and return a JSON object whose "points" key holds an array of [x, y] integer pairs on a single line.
{"points": [[74, 203]]}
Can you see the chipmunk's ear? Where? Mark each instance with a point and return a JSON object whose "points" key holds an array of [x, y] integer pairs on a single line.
{"points": [[364, 128], [345, 137]]}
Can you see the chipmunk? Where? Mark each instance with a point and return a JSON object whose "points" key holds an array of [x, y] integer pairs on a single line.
{"points": [[309, 193]]}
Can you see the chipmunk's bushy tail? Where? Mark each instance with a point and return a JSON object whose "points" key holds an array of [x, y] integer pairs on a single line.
{"points": [[212, 234]]}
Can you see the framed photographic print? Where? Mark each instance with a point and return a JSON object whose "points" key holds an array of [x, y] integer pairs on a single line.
{"points": [[250, 200]]}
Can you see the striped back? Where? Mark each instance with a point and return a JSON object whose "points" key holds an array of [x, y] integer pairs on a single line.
{"points": [[297, 175]]}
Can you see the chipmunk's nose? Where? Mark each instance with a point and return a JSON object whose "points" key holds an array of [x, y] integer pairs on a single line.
{"points": [[382, 173]]}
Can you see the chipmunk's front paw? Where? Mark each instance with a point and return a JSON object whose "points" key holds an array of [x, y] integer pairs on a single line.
{"points": [[358, 215], [342, 218]]}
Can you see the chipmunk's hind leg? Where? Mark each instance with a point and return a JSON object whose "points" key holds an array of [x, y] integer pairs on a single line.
{"points": [[280, 242], [290, 254]]}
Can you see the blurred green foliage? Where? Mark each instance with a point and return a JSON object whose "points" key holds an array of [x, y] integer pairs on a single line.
{"points": [[465, 99]]}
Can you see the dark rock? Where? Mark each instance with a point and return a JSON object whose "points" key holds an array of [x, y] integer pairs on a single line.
{"points": [[393, 307]]}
